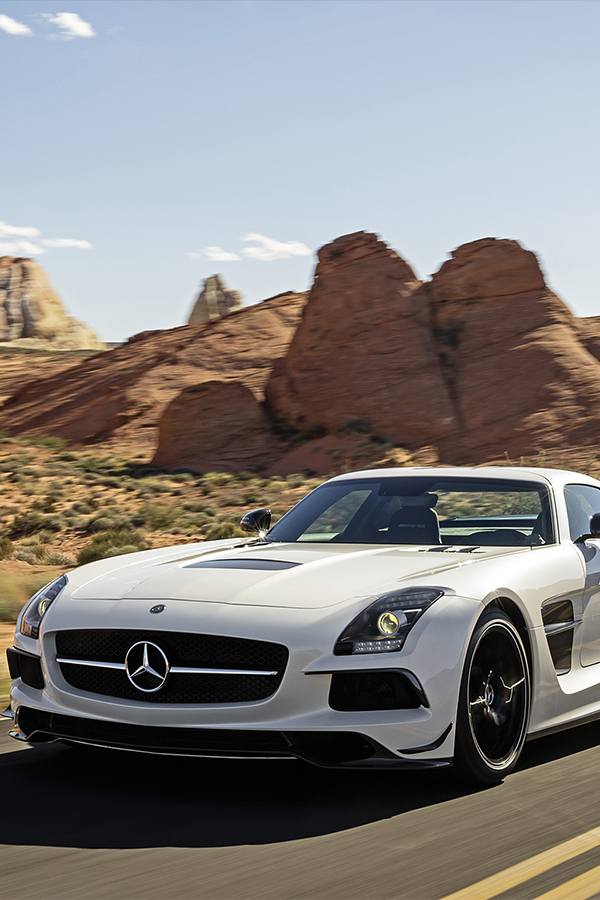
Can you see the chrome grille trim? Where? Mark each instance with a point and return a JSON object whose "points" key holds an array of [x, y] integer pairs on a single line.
{"points": [[177, 670]]}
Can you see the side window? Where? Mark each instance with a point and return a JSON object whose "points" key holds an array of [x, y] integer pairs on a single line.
{"points": [[583, 500]]}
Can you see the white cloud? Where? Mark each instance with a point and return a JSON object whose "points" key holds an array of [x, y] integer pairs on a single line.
{"points": [[269, 248], [18, 243], [20, 247], [11, 26], [70, 25], [7, 230], [214, 254], [66, 242]]}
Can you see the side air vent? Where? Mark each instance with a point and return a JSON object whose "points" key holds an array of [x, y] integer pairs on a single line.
{"points": [[559, 622]]}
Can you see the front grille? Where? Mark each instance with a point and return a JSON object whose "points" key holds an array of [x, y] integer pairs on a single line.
{"points": [[182, 650]]}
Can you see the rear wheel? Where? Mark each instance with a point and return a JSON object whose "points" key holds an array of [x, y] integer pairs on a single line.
{"points": [[494, 701]]}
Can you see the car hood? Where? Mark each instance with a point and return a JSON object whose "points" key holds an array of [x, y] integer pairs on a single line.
{"points": [[295, 575]]}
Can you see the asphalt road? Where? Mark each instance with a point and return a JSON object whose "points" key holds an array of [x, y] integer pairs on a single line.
{"points": [[102, 824]]}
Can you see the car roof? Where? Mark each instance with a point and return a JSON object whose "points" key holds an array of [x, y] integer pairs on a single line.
{"points": [[557, 477]]}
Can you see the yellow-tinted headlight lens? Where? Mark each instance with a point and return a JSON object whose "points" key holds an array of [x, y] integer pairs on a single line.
{"points": [[388, 623]]}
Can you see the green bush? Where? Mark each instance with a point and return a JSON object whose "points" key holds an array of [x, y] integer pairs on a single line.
{"points": [[158, 518], [224, 530], [26, 523], [112, 543], [6, 547]]}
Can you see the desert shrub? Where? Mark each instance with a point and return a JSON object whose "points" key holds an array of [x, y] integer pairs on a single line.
{"points": [[296, 479], [156, 517], [104, 522], [355, 426], [45, 440], [45, 504], [82, 506], [27, 556], [218, 478], [195, 521], [275, 487], [33, 471], [32, 489], [244, 477], [68, 456], [112, 543], [60, 559], [197, 506], [121, 551], [26, 523], [223, 530], [6, 547]]}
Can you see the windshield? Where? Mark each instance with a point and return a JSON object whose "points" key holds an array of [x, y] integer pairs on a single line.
{"points": [[421, 510]]}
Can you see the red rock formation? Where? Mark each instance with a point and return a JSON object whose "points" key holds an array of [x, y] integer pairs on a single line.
{"points": [[364, 350], [117, 397], [215, 426], [481, 362], [522, 379]]}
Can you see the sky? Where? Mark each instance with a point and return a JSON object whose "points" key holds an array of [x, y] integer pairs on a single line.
{"points": [[148, 144]]}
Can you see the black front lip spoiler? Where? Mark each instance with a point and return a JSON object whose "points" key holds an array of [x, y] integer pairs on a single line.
{"points": [[336, 749]]}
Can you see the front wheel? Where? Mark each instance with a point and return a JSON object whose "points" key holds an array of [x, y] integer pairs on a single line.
{"points": [[493, 708]]}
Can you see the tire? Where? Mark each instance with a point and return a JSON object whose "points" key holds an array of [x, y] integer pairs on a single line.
{"points": [[494, 702]]}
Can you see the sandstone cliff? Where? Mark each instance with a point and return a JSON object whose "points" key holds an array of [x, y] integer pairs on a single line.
{"points": [[31, 313], [482, 361], [118, 397], [365, 350]]}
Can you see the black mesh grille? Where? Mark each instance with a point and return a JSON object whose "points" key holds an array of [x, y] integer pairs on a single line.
{"points": [[181, 649], [364, 691]]}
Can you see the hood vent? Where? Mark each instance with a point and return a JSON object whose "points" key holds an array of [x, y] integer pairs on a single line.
{"points": [[266, 565]]}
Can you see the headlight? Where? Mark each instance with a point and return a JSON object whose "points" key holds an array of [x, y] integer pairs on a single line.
{"points": [[38, 605], [384, 625]]}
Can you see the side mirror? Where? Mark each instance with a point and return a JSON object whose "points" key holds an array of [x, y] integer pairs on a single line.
{"points": [[595, 525], [594, 530], [259, 520]]}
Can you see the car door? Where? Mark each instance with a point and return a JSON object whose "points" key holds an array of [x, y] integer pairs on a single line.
{"points": [[582, 502]]}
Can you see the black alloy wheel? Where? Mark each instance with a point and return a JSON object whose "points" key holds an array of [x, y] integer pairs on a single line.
{"points": [[494, 701]]}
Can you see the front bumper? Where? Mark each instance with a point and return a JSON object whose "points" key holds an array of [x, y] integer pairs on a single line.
{"points": [[304, 718], [341, 749]]}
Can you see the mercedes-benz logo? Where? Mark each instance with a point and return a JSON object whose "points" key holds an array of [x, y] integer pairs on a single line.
{"points": [[146, 666]]}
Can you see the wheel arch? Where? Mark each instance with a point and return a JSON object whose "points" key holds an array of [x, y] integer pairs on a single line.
{"points": [[511, 609]]}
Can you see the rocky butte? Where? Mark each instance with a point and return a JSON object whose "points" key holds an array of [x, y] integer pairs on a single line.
{"points": [[479, 362], [32, 315], [215, 299]]}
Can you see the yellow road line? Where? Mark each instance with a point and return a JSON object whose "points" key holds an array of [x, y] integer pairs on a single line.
{"points": [[581, 888], [530, 868]]}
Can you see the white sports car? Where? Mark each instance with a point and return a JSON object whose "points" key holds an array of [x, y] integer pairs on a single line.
{"points": [[395, 618]]}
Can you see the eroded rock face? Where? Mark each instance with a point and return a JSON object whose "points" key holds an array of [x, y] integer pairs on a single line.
{"points": [[521, 377], [481, 362], [215, 426], [214, 300], [32, 313], [364, 350], [118, 397]]}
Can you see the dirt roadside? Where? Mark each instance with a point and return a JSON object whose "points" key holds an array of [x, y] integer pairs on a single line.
{"points": [[6, 640]]}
